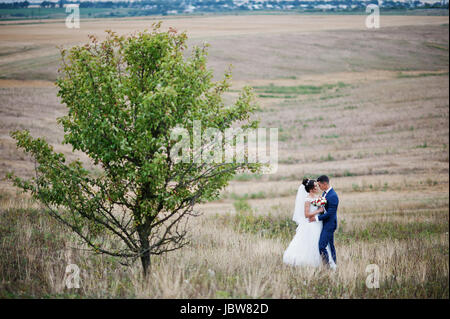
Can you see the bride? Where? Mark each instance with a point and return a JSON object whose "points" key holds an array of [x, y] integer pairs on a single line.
{"points": [[304, 247]]}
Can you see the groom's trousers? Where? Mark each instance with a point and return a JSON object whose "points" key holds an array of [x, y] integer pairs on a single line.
{"points": [[327, 238]]}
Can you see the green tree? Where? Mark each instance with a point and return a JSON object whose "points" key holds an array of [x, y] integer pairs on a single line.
{"points": [[124, 95]]}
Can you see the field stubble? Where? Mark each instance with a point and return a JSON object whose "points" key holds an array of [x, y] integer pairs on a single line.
{"points": [[382, 136]]}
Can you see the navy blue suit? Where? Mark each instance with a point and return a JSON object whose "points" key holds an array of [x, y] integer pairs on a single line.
{"points": [[329, 219]]}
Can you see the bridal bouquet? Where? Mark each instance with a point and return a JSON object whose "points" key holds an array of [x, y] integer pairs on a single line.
{"points": [[320, 201]]}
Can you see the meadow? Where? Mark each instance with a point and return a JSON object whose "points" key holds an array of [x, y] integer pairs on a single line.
{"points": [[51, 14], [369, 108]]}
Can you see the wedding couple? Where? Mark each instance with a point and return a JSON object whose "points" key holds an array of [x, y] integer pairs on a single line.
{"points": [[313, 243]]}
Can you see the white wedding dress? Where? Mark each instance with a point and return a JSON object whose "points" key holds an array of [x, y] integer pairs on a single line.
{"points": [[304, 247]]}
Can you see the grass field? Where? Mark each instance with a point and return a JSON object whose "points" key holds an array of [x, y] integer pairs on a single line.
{"points": [[370, 108], [59, 13], [44, 14]]}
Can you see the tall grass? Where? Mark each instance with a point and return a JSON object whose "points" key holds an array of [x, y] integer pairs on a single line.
{"points": [[230, 256], [299, 89]]}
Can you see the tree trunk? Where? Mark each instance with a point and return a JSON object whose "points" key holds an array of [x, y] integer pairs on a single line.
{"points": [[145, 257], [145, 261]]}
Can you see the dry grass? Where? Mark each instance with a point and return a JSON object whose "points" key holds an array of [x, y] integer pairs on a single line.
{"points": [[28, 51], [222, 261], [382, 137]]}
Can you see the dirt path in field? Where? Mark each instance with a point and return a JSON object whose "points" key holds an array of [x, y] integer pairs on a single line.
{"points": [[25, 84], [331, 78], [57, 33], [311, 79]]}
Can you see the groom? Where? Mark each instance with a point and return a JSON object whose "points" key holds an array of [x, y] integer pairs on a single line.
{"points": [[329, 219]]}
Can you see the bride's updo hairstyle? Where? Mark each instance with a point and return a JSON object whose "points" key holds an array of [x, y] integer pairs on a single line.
{"points": [[305, 181], [310, 185]]}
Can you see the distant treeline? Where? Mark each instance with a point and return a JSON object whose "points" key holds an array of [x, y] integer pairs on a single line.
{"points": [[192, 6], [14, 5]]}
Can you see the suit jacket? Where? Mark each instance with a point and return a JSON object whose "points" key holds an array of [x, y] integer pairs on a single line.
{"points": [[329, 218]]}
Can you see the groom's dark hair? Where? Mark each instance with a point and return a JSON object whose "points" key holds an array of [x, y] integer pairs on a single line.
{"points": [[323, 179]]}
